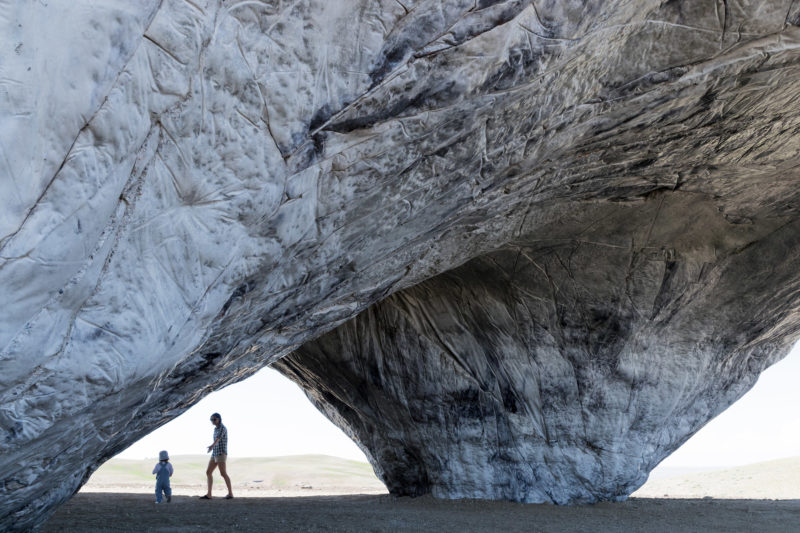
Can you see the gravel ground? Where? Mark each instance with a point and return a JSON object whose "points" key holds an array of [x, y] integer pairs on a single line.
{"points": [[88, 512]]}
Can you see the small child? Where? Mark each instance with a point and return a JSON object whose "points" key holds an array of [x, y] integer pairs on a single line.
{"points": [[163, 470]]}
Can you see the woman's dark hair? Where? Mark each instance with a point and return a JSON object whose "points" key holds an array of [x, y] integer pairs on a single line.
{"points": [[217, 416]]}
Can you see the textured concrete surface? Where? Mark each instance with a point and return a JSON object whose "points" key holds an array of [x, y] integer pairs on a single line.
{"points": [[190, 190]]}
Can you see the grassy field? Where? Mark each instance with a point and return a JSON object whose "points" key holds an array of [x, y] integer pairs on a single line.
{"points": [[778, 479], [289, 472]]}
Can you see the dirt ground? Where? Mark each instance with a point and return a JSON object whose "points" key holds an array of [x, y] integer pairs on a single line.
{"points": [[126, 512], [321, 493]]}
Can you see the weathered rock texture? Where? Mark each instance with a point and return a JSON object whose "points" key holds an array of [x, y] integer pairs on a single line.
{"points": [[557, 372], [572, 226]]}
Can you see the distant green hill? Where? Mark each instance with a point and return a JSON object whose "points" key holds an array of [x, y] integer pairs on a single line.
{"points": [[266, 472], [778, 479]]}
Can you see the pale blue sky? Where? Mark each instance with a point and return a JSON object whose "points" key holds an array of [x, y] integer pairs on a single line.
{"points": [[267, 415]]}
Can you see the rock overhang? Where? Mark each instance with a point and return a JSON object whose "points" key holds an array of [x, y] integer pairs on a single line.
{"points": [[240, 179]]}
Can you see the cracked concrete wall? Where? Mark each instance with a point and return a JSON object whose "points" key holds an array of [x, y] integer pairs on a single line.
{"points": [[191, 190]]}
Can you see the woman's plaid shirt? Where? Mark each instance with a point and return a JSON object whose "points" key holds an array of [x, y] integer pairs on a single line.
{"points": [[221, 447]]}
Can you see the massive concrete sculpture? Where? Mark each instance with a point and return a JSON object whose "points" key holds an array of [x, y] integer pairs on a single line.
{"points": [[520, 249]]}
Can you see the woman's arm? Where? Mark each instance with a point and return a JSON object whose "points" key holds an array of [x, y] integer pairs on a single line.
{"points": [[214, 443]]}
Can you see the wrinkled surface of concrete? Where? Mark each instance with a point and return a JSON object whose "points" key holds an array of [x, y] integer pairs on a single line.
{"points": [[599, 199]]}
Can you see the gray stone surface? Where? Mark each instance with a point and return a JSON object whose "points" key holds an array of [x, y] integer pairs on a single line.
{"points": [[192, 189], [560, 371]]}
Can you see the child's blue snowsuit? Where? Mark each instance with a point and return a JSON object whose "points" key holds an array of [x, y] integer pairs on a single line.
{"points": [[162, 472]]}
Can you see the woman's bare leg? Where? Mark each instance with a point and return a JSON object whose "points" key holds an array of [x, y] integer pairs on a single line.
{"points": [[224, 473], [209, 471]]}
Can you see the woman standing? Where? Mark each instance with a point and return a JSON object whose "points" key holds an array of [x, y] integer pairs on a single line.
{"points": [[219, 454]]}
